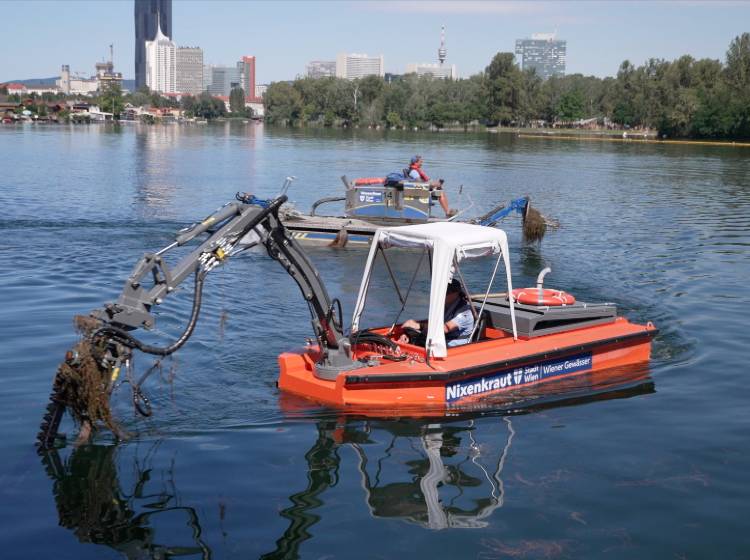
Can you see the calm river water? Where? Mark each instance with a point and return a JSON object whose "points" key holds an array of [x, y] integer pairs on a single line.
{"points": [[229, 468]]}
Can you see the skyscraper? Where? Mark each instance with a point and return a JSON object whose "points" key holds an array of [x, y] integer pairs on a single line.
{"points": [[246, 67], [543, 53], [161, 63], [149, 16]]}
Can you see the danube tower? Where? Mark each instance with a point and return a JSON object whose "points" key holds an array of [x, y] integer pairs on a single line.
{"points": [[442, 52], [149, 16]]}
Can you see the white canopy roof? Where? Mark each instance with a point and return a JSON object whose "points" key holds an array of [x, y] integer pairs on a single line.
{"points": [[449, 242]]}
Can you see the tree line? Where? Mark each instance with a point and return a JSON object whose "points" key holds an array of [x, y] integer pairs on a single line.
{"points": [[686, 97]]}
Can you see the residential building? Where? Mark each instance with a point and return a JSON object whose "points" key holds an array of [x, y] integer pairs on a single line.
{"points": [[260, 91], [149, 15], [353, 66], [441, 71], [189, 76], [543, 53], [321, 68], [15, 88], [161, 63]]}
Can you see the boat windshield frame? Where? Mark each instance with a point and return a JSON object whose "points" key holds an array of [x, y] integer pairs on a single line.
{"points": [[447, 244]]}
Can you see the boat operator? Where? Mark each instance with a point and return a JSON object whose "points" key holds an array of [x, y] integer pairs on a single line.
{"points": [[416, 172], [459, 320]]}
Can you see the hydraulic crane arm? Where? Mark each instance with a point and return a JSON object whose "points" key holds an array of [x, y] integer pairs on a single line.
{"points": [[112, 341], [152, 279]]}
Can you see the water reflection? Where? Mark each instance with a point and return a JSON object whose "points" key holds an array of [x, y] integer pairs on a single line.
{"points": [[438, 474], [154, 170], [92, 502]]}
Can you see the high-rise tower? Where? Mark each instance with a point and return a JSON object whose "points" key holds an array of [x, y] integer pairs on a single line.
{"points": [[149, 16], [442, 53], [544, 53]]}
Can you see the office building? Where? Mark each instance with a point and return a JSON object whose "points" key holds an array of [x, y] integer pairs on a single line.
{"points": [[189, 70], [208, 72], [149, 15], [161, 63], [441, 71], [543, 53], [224, 79], [321, 69], [353, 66], [246, 69]]}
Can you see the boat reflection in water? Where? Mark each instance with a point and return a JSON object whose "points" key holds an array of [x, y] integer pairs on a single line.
{"points": [[444, 473], [437, 474], [92, 502]]}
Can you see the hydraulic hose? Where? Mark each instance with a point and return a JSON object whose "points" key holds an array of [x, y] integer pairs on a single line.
{"points": [[129, 340]]}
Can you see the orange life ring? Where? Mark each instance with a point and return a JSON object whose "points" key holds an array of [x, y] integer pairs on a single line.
{"points": [[534, 296], [369, 181]]}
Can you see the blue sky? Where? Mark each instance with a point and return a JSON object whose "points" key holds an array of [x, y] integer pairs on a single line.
{"points": [[284, 35]]}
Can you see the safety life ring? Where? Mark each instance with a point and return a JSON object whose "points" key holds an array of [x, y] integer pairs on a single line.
{"points": [[369, 181], [535, 296]]}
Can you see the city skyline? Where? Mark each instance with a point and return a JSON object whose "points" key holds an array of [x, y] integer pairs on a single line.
{"points": [[599, 35]]}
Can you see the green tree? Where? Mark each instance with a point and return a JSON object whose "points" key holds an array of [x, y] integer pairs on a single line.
{"points": [[207, 107], [502, 88], [187, 104], [282, 103], [111, 101], [571, 106], [738, 63], [393, 120], [237, 101], [738, 81]]}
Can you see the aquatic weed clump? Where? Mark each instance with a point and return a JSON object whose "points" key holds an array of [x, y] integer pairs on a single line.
{"points": [[82, 385], [534, 225]]}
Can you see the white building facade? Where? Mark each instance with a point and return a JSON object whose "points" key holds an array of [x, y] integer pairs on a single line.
{"points": [[161, 63], [442, 71], [352, 66]]}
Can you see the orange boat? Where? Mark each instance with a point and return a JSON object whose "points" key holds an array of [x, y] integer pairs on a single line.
{"points": [[513, 345], [514, 340]]}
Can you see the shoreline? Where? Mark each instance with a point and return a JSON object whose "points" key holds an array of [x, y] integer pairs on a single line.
{"points": [[649, 137]]}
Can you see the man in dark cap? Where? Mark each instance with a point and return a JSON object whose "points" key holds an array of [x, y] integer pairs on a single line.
{"points": [[458, 318]]}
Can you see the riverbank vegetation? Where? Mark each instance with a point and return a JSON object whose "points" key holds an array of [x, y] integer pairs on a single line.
{"points": [[684, 98]]}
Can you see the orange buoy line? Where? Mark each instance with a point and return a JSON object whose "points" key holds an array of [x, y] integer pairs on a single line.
{"points": [[638, 140]]}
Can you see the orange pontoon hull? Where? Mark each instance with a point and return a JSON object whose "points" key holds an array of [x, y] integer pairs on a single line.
{"points": [[472, 372]]}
